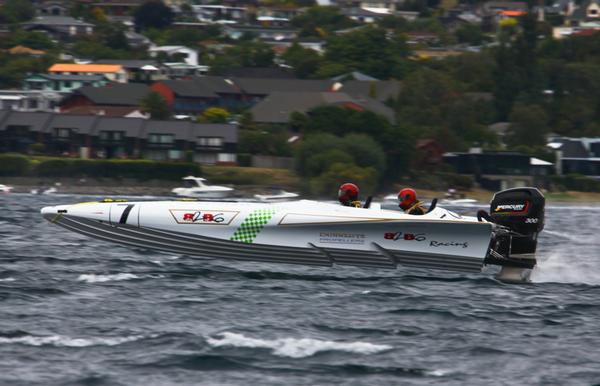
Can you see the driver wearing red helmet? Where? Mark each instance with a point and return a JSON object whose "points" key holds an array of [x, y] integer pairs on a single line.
{"points": [[348, 195], [409, 203]]}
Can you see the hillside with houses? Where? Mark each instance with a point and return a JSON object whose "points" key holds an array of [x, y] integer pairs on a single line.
{"points": [[443, 95]]}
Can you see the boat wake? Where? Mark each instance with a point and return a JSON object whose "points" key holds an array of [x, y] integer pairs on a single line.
{"points": [[93, 278], [65, 341], [559, 267], [578, 239], [295, 348]]}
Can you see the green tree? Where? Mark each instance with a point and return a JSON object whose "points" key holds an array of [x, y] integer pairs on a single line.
{"points": [[155, 105], [470, 34], [327, 183], [368, 50], [304, 61], [215, 115], [36, 40], [528, 126], [341, 121], [13, 69], [249, 54], [153, 14], [319, 151], [16, 11], [319, 21], [264, 141]]}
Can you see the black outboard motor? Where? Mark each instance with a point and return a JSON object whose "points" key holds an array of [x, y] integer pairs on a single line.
{"points": [[522, 211]]}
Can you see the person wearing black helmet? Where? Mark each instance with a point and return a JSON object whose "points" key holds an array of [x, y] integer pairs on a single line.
{"points": [[409, 203], [348, 195]]}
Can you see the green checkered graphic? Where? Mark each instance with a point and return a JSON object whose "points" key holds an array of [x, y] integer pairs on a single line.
{"points": [[252, 225]]}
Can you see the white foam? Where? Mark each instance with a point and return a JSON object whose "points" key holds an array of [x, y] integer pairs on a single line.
{"points": [[591, 239], [295, 348], [8, 279], [438, 372], [559, 267], [93, 278], [65, 341]]}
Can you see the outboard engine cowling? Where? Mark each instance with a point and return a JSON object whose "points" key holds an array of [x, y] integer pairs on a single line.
{"points": [[522, 211]]}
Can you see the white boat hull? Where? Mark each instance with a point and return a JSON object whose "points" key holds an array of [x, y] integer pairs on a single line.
{"points": [[302, 232]]}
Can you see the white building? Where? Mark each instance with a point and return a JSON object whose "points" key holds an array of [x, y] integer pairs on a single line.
{"points": [[180, 53]]}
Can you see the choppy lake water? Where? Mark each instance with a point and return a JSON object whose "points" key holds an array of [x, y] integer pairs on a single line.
{"points": [[78, 311]]}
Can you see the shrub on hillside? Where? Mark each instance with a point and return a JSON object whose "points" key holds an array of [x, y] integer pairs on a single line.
{"points": [[577, 182], [138, 169], [14, 165]]}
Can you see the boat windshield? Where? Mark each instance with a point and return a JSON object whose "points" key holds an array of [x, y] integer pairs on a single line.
{"points": [[190, 184]]}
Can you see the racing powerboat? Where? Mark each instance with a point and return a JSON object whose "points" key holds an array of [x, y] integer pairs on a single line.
{"points": [[317, 233], [196, 187]]}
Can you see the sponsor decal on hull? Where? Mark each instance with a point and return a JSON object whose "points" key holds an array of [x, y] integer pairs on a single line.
{"points": [[203, 217], [341, 238], [461, 244], [404, 236]]}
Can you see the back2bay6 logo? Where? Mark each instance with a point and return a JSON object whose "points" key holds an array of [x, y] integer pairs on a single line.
{"points": [[395, 236], [203, 217]]}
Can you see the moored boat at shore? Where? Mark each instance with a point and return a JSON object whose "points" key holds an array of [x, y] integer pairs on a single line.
{"points": [[196, 187]]}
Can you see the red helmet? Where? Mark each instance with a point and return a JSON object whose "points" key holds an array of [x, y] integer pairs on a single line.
{"points": [[407, 198], [348, 192]]}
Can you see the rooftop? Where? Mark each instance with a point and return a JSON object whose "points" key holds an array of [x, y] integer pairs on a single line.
{"points": [[99, 68]]}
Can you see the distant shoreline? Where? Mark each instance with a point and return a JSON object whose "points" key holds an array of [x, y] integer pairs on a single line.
{"points": [[124, 187]]}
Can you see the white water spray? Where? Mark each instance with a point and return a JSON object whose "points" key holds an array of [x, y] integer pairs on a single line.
{"points": [[577, 260]]}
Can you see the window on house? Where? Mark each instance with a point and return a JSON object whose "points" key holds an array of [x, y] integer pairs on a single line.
{"points": [[110, 135], [62, 132], [175, 154], [226, 157], [593, 12], [33, 104], [210, 141], [163, 139], [68, 83]]}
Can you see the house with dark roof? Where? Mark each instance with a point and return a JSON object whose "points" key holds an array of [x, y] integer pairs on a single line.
{"points": [[256, 89], [105, 137], [51, 8], [17, 133], [381, 90], [278, 107], [113, 99], [218, 13], [259, 72], [140, 71], [576, 155], [588, 12], [263, 33], [363, 15], [195, 95], [61, 28], [29, 100], [500, 170]]}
